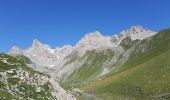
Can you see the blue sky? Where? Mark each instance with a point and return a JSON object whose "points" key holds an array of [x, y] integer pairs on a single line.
{"points": [[59, 22]]}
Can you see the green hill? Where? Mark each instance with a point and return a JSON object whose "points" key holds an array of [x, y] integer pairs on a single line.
{"points": [[144, 76]]}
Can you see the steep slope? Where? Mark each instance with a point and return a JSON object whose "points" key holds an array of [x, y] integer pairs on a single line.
{"points": [[144, 76], [17, 81], [90, 66]]}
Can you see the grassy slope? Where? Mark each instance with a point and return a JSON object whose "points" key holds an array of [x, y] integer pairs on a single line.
{"points": [[89, 70], [151, 77], [146, 73]]}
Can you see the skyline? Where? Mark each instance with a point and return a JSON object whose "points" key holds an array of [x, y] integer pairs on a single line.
{"points": [[59, 23]]}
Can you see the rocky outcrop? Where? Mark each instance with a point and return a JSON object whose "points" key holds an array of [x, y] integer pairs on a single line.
{"points": [[15, 51], [24, 83], [138, 32], [94, 40]]}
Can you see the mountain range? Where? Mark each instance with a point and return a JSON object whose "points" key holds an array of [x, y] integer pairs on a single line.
{"points": [[131, 65], [47, 59]]}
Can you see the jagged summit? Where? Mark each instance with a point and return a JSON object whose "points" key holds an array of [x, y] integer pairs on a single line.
{"points": [[137, 32], [136, 29], [93, 40], [36, 43], [95, 34], [15, 51]]}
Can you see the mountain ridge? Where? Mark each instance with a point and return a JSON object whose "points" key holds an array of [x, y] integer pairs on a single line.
{"points": [[44, 55], [136, 29]]}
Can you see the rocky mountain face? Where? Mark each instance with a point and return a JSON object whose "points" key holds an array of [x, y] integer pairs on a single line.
{"points": [[94, 57], [93, 40], [138, 32]]}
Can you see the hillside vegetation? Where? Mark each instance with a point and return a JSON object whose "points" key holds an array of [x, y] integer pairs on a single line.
{"points": [[144, 76], [17, 81]]}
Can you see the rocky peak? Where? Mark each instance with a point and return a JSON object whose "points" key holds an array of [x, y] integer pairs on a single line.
{"points": [[15, 51], [136, 30], [95, 34], [93, 40], [38, 47], [36, 43], [92, 36]]}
